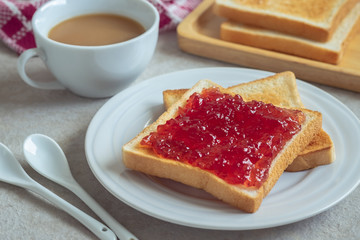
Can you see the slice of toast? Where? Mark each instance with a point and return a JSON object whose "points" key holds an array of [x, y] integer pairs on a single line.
{"points": [[280, 90], [328, 52], [144, 159], [311, 19]]}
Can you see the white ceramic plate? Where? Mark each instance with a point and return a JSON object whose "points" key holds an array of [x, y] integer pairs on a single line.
{"points": [[296, 196]]}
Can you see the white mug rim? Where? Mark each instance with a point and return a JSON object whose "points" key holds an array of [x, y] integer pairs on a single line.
{"points": [[154, 26]]}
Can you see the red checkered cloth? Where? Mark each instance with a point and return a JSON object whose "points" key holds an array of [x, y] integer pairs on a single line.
{"points": [[16, 29]]}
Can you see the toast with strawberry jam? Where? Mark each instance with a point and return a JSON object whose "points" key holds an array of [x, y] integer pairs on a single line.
{"points": [[214, 140]]}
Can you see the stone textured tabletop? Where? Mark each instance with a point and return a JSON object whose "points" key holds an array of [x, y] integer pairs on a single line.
{"points": [[65, 117]]}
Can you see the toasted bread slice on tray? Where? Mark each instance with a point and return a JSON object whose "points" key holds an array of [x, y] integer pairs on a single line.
{"points": [[328, 52], [280, 90], [311, 19], [242, 195]]}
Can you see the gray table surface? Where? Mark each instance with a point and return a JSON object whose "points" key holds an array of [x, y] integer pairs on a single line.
{"points": [[65, 117]]}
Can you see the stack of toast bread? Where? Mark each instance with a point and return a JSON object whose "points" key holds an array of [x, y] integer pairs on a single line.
{"points": [[313, 29], [310, 147]]}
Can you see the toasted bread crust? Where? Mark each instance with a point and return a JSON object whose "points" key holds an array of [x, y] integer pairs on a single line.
{"points": [[144, 160], [316, 20], [171, 96], [281, 90], [313, 156], [260, 38]]}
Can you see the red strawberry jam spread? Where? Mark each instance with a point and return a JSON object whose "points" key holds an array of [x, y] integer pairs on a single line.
{"points": [[223, 134]]}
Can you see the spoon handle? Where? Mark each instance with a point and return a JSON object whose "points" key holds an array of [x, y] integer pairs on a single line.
{"points": [[118, 229], [100, 230]]}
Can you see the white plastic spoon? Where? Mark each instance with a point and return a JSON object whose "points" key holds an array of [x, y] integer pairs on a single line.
{"points": [[47, 158], [12, 172]]}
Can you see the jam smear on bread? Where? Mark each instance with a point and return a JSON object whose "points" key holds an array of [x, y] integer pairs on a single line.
{"points": [[220, 133]]}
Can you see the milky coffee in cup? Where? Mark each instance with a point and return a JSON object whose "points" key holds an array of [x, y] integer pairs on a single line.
{"points": [[96, 30]]}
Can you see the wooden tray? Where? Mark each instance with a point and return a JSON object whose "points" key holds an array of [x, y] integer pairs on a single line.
{"points": [[199, 34]]}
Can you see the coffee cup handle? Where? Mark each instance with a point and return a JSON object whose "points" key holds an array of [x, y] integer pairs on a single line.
{"points": [[24, 57]]}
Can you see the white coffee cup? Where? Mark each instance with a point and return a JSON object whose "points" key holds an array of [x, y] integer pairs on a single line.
{"points": [[92, 71]]}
